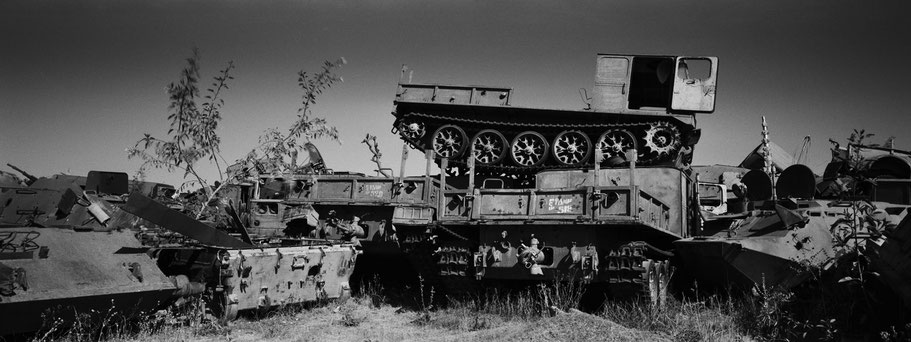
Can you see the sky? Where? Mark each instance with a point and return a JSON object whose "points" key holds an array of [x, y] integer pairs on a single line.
{"points": [[82, 81]]}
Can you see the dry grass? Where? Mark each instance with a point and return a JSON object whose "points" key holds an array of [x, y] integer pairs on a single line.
{"points": [[532, 313], [707, 320]]}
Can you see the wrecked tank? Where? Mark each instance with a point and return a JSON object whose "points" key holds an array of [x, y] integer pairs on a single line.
{"points": [[778, 234], [640, 102], [72, 244], [235, 275], [531, 194], [321, 204], [64, 246]]}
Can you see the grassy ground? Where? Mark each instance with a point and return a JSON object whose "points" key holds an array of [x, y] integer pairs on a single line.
{"points": [[545, 313], [360, 320], [536, 313]]}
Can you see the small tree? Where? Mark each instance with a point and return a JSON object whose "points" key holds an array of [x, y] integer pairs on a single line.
{"points": [[192, 133], [278, 151]]}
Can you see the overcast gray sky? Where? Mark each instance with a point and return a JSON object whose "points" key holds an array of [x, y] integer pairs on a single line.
{"points": [[80, 82]]}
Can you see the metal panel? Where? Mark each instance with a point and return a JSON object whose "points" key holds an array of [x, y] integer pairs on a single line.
{"points": [[415, 93], [414, 191], [161, 215], [694, 93], [412, 215], [502, 203], [334, 189], [558, 203], [368, 189], [453, 94], [616, 202], [266, 218], [611, 83], [453, 206], [277, 276]]}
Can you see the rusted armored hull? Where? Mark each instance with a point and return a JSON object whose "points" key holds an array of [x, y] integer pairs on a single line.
{"points": [[238, 276], [771, 247], [781, 247], [730, 263], [60, 271], [288, 275], [262, 278]]}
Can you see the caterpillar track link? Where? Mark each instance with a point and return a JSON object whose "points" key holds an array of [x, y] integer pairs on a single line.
{"points": [[633, 270], [443, 258]]}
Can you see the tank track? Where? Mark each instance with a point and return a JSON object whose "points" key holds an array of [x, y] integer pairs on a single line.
{"points": [[445, 262], [632, 268], [444, 258], [515, 148]]}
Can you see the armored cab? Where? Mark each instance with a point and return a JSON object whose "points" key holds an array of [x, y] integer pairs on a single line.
{"points": [[639, 102], [598, 194]]}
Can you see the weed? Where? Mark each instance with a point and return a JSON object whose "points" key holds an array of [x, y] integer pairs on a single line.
{"points": [[564, 293], [710, 319], [424, 317], [351, 317], [372, 290], [479, 323], [895, 333]]}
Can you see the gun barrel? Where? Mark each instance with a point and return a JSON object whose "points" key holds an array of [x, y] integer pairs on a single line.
{"points": [[30, 177]]}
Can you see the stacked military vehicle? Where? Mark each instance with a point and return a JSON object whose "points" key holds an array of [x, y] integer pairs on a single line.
{"points": [[73, 244], [524, 193], [62, 245], [604, 194], [529, 194]]}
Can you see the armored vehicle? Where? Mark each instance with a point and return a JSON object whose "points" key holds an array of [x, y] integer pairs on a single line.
{"points": [[235, 275], [776, 234], [342, 206], [64, 247], [529, 194], [640, 102], [71, 244]]}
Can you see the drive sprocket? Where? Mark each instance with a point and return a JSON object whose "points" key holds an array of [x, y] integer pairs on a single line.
{"points": [[662, 138], [412, 130]]}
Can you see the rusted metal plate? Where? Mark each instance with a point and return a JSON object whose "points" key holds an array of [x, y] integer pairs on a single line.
{"points": [[557, 203], [451, 94], [412, 215], [766, 247], [502, 203], [161, 215], [268, 277]]}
